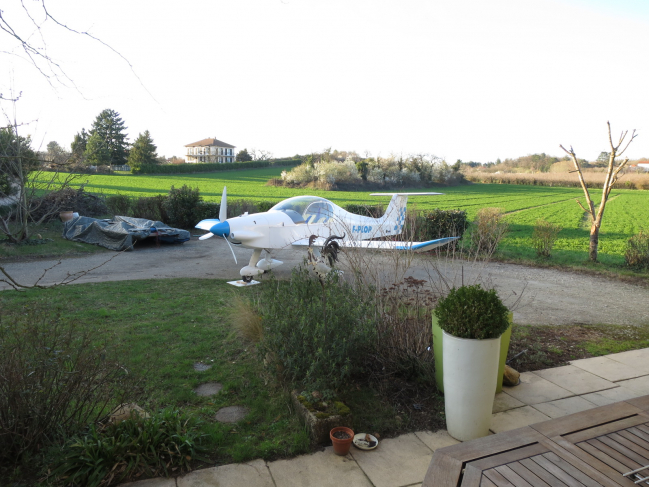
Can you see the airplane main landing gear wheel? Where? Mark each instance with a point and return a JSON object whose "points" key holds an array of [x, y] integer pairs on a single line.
{"points": [[246, 279]]}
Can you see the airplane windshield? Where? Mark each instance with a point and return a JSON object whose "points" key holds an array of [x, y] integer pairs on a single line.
{"points": [[309, 209]]}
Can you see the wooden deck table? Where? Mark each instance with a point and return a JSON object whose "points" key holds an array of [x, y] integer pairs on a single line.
{"points": [[591, 448]]}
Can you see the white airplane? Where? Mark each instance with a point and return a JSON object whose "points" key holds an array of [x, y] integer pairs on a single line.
{"points": [[291, 224]]}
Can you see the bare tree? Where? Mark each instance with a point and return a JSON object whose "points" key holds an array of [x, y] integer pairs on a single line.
{"points": [[613, 170], [260, 154], [25, 31], [22, 172], [23, 178]]}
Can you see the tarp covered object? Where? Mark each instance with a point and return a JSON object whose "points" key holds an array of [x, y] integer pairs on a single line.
{"points": [[121, 232]]}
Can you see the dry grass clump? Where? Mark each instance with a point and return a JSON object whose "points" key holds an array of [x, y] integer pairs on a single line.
{"points": [[246, 320], [488, 229], [544, 236], [637, 251]]}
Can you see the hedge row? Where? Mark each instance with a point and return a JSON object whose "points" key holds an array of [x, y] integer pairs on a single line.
{"points": [[184, 207], [212, 167], [428, 225]]}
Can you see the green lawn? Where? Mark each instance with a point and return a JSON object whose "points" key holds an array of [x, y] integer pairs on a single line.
{"points": [[626, 214], [166, 326]]}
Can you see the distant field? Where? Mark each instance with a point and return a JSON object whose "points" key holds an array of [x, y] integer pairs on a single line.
{"points": [[627, 211]]}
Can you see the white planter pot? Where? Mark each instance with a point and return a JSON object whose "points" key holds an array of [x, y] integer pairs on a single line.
{"points": [[470, 370]]}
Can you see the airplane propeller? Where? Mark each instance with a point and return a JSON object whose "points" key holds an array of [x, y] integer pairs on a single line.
{"points": [[220, 226], [231, 249], [223, 215], [223, 212]]}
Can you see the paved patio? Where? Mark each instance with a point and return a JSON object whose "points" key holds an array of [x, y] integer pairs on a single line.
{"points": [[403, 461]]}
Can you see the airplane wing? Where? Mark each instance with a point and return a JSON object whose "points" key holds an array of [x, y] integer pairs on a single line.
{"points": [[380, 244]]}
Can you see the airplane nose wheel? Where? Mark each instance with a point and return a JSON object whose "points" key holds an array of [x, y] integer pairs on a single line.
{"points": [[246, 279]]}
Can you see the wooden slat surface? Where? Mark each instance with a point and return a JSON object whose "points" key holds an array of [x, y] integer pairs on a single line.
{"points": [[596, 469], [528, 475], [588, 449], [632, 436], [604, 429], [586, 419]]}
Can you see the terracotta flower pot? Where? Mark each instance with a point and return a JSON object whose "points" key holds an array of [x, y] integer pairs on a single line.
{"points": [[66, 216], [341, 447]]}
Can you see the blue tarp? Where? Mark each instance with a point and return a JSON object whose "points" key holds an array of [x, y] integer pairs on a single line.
{"points": [[121, 232]]}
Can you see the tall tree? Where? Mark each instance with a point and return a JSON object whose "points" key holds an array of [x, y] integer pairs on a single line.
{"points": [[97, 153], [143, 151], [109, 127], [613, 169], [243, 156], [56, 155], [78, 147]]}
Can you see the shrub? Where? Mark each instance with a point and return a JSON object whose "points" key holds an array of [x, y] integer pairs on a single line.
{"points": [[68, 199], [405, 334], [119, 204], [239, 207], [374, 211], [318, 349], [163, 444], [181, 205], [265, 205], [488, 229], [151, 208], [472, 312], [544, 236], [206, 210], [437, 223], [636, 254], [57, 377], [211, 167]]}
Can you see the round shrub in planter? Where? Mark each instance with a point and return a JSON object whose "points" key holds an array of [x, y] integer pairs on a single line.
{"points": [[472, 320]]}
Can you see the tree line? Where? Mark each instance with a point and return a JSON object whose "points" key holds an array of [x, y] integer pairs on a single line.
{"points": [[106, 144]]}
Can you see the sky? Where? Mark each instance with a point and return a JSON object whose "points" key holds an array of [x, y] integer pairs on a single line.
{"points": [[465, 79]]}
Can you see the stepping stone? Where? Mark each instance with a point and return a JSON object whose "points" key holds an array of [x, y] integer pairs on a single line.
{"points": [[201, 367], [231, 414], [208, 389]]}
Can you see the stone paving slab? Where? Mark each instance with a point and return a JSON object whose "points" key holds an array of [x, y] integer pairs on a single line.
{"points": [[609, 369], [249, 474], [322, 469], [439, 439], [564, 407], [534, 389], [396, 462], [639, 385], [632, 358], [609, 396], [516, 418], [574, 379], [503, 402]]}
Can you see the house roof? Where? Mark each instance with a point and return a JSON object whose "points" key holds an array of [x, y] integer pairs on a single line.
{"points": [[210, 143]]}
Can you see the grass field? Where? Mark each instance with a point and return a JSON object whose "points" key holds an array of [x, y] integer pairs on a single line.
{"points": [[626, 214]]}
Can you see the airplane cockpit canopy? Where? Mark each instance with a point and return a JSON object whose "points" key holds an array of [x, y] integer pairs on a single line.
{"points": [[306, 209]]}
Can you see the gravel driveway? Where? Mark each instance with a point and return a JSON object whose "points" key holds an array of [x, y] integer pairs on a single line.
{"points": [[550, 296]]}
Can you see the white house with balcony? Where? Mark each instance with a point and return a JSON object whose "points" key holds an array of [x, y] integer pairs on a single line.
{"points": [[209, 150]]}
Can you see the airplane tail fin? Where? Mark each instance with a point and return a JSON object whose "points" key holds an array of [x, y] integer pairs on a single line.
{"points": [[395, 215]]}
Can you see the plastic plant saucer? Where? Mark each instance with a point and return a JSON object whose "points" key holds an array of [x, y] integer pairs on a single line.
{"points": [[362, 444]]}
